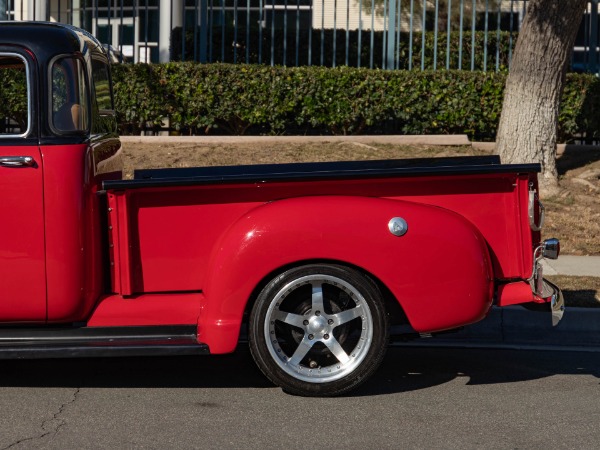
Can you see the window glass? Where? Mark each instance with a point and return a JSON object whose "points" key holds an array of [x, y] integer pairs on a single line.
{"points": [[148, 29], [102, 85], [14, 101], [69, 100], [104, 120]]}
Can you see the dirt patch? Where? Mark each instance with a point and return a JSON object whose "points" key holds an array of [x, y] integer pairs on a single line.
{"points": [[573, 215], [150, 156]]}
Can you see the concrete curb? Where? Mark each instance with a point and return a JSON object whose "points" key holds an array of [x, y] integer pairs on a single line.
{"points": [[516, 327], [582, 266], [450, 140]]}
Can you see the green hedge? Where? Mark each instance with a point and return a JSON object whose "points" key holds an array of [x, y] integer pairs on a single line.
{"points": [[252, 99]]}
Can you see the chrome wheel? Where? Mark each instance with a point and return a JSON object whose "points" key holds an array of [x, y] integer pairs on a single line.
{"points": [[310, 336], [318, 329]]}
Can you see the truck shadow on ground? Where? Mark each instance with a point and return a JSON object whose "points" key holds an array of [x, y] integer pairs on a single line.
{"points": [[410, 369], [404, 369], [582, 297], [576, 156]]}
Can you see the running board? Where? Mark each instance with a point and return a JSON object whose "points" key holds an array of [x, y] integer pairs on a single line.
{"points": [[77, 342]]}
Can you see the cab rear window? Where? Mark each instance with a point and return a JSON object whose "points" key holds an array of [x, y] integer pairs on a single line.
{"points": [[15, 117], [69, 104]]}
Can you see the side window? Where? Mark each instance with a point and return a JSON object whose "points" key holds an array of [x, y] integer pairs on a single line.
{"points": [[102, 86], [14, 96], [69, 109], [104, 115]]}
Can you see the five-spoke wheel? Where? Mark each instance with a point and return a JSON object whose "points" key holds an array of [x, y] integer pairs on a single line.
{"points": [[318, 329]]}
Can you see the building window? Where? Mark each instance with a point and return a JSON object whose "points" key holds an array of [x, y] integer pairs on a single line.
{"points": [[129, 29]]}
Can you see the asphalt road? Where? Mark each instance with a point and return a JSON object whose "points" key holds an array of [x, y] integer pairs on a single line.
{"points": [[420, 398]]}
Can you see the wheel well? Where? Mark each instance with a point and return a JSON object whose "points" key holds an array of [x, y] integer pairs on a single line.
{"points": [[392, 305]]}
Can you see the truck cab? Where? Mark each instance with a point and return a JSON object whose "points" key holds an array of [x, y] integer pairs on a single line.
{"points": [[57, 130]]}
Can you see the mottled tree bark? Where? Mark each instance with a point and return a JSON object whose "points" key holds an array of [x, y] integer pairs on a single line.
{"points": [[528, 125]]}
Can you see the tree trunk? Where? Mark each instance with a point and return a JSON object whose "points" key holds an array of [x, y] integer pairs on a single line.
{"points": [[528, 124]]}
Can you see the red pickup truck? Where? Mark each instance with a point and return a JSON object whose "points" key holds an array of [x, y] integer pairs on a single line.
{"points": [[314, 262]]}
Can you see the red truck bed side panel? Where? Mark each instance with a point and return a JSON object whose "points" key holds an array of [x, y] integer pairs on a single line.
{"points": [[174, 230]]}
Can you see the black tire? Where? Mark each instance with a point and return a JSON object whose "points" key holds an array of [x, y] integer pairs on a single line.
{"points": [[319, 330]]}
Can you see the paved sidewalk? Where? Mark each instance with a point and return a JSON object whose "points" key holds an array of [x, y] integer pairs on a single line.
{"points": [[588, 266]]}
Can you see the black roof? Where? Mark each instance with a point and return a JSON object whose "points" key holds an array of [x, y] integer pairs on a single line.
{"points": [[39, 43], [48, 39]]}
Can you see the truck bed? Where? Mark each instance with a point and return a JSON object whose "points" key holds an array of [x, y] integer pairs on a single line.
{"points": [[171, 217], [170, 230]]}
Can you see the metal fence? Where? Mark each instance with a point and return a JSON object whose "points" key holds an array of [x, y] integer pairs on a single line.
{"points": [[389, 34]]}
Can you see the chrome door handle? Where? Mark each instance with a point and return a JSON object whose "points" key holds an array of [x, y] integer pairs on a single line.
{"points": [[17, 161]]}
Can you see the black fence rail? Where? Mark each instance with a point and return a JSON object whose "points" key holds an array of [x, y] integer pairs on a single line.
{"points": [[389, 34]]}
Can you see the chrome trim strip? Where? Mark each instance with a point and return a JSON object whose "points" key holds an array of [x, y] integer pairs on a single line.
{"points": [[532, 197]]}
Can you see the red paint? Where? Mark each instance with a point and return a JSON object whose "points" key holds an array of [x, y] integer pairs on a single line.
{"points": [[514, 293], [167, 221], [147, 310], [198, 254], [352, 230], [466, 233], [225, 239], [22, 248], [67, 248], [75, 269]]}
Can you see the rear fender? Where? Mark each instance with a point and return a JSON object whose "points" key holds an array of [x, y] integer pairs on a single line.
{"points": [[439, 271]]}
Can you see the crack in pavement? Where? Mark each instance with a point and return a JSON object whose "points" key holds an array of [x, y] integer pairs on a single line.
{"points": [[48, 426]]}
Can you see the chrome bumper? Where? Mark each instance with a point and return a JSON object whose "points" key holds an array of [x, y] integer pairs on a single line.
{"points": [[553, 293], [551, 299], [547, 293]]}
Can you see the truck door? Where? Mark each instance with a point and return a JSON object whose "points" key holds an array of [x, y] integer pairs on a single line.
{"points": [[22, 253]]}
